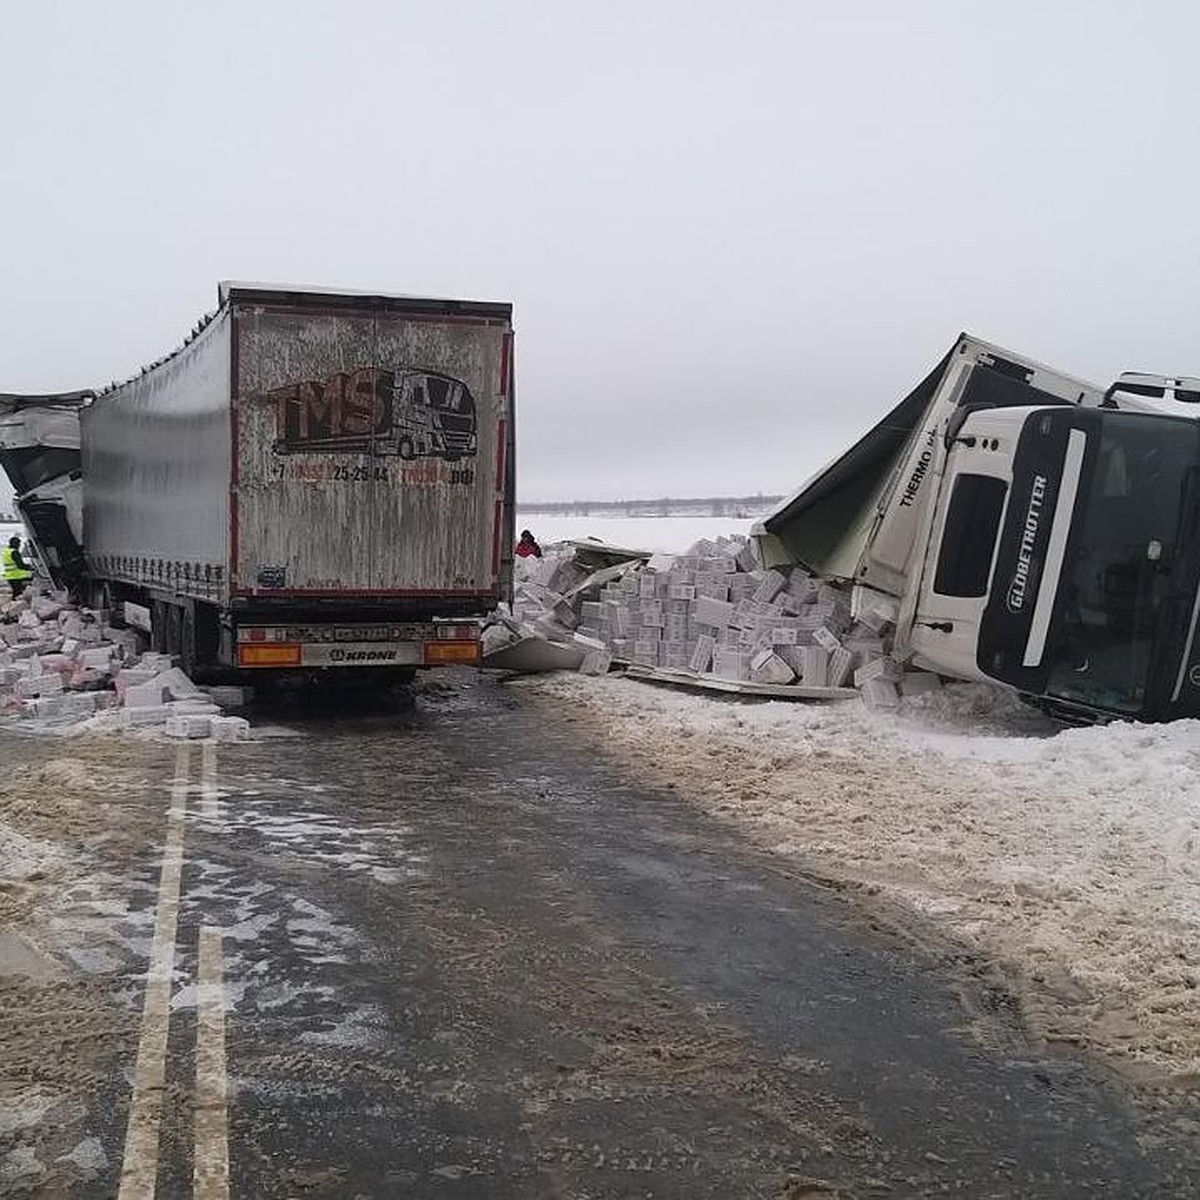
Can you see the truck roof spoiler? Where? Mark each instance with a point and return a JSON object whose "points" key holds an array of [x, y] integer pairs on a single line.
{"points": [[1175, 395]]}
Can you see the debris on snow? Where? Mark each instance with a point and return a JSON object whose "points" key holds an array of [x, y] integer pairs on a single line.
{"points": [[712, 617]]}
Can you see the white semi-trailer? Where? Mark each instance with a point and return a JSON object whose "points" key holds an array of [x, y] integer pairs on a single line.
{"points": [[313, 480], [1029, 528]]}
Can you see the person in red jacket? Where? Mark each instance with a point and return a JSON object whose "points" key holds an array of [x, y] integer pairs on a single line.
{"points": [[527, 547]]}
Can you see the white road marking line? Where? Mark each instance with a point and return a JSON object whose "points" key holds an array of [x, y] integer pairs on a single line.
{"points": [[139, 1168], [209, 809], [210, 1177]]}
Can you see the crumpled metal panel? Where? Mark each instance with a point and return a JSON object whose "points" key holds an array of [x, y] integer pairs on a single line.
{"points": [[370, 452]]}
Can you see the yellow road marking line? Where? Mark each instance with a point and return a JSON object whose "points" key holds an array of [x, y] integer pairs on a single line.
{"points": [[139, 1168], [208, 781]]}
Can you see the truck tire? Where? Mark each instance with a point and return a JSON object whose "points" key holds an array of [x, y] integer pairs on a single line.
{"points": [[187, 640], [159, 627], [179, 639], [174, 630], [106, 605]]}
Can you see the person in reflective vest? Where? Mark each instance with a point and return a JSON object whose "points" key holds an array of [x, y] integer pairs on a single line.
{"points": [[16, 571]]}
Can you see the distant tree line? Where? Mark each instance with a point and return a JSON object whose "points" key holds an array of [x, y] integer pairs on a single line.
{"points": [[667, 506]]}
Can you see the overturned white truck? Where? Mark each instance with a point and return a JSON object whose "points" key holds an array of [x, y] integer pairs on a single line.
{"points": [[1031, 529]]}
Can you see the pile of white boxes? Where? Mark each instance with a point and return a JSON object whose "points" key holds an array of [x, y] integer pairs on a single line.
{"points": [[715, 612], [63, 663]]}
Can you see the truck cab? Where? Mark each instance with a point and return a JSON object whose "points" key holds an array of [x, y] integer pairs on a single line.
{"points": [[1030, 528], [1063, 563]]}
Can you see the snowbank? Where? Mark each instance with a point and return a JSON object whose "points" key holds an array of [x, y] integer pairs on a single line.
{"points": [[1066, 857]]}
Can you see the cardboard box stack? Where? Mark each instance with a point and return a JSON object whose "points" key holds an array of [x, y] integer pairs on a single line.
{"points": [[60, 662], [715, 611]]}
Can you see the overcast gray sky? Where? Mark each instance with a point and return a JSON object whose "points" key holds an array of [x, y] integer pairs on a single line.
{"points": [[734, 234]]}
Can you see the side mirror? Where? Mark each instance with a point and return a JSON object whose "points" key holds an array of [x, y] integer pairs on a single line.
{"points": [[958, 418]]}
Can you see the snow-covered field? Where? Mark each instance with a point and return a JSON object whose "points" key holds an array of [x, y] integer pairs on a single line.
{"points": [[1067, 858], [667, 535]]}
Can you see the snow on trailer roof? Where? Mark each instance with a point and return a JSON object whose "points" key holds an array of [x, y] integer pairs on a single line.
{"points": [[283, 293], [196, 330], [232, 291]]}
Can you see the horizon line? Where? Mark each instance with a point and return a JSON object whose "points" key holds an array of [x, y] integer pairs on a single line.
{"points": [[657, 499]]}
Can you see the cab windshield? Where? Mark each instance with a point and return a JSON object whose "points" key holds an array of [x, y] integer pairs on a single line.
{"points": [[1117, 583]]}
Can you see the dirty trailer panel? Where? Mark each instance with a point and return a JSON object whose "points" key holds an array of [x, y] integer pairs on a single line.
{"points": [[369, 452], [155, 458]]}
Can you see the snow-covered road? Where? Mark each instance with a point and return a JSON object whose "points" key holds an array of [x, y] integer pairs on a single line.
{"points": [[468, 890], [1066, 857]]}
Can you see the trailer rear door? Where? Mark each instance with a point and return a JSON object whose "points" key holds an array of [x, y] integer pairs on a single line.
{"points": [[371, 440]]}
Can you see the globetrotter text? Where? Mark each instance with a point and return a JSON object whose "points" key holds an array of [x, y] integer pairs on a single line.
{"points": [[1033, 517]]}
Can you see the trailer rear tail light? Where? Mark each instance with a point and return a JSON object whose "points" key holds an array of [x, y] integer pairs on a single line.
{"points": [[269, 654], [451, 652], [458, 633], [255, 635]]}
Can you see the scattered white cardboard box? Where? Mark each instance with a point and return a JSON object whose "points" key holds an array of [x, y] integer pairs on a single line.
{"points": [[767, 667], [188, 725], [229, 729], [229, 695], [880, 693], [714, 611], [61, 663]]}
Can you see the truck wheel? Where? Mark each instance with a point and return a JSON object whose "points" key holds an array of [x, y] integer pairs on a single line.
{"points": [[187, 641], [174, 624], [405, 449], [159, 633], [103, 603]]}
